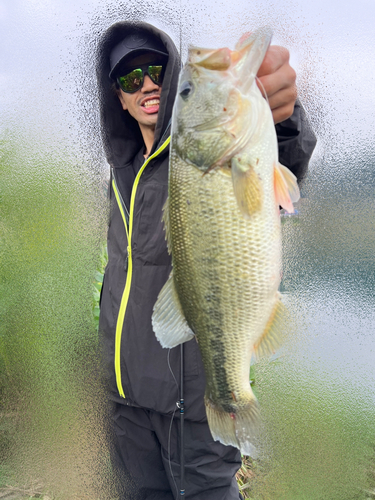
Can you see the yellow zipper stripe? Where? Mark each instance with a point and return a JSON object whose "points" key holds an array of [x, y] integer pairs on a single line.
{"points": [[125, 295]]}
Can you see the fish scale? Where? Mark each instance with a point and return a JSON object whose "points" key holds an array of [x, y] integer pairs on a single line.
{"points": [[225, 272]]}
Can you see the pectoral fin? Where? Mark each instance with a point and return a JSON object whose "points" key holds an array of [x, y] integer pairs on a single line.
{"points": [[247, 187], [286, 187], [168, 320]]}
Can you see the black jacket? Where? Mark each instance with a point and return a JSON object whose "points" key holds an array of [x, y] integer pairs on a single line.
{"points": [[138, 370]]}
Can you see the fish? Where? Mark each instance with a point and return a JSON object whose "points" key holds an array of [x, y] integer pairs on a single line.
{"points": [[222, 223]]}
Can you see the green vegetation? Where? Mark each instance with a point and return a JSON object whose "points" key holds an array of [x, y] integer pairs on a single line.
{"points": [[53, 220], [317, 441]]}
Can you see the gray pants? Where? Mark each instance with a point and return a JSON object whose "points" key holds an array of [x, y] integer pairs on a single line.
{"points": [[146, 456]]}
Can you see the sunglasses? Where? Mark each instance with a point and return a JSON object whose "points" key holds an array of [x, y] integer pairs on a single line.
{"points": [[133, 81]]}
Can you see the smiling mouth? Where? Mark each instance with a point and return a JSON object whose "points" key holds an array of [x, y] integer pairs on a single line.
{"points": [[150, 103]]}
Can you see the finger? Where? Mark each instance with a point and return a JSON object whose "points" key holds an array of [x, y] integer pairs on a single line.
{"points": [[275, 57], [283, 78], [282, 113], [283, 97]]}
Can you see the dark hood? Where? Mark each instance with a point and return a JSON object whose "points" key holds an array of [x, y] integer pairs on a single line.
{"points": [[121, 135]]}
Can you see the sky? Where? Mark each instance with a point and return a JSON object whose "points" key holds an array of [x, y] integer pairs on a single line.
{"points": [[330, 44]]}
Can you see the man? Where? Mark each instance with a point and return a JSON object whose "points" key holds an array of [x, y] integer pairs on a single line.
{"points": [[138, 74]]}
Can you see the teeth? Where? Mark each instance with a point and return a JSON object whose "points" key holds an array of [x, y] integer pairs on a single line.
{"points": [[151, 102]]}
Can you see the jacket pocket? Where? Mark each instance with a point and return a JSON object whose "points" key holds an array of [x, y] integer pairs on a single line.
{"points": [[148, 231]]}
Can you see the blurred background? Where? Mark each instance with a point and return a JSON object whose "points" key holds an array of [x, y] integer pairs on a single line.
{"points": [[317, 394]]}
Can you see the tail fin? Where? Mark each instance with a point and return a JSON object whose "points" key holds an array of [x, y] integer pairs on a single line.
{"points": [[234, 429]]}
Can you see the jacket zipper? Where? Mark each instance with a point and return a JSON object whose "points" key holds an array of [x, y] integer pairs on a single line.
{"points": [[129, 267]]}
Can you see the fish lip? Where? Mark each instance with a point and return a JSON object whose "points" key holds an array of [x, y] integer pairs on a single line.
{"points": [[149, 98]]}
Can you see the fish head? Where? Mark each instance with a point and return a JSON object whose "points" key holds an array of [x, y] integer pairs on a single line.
{"points": [[212, 116], [205, 103]]}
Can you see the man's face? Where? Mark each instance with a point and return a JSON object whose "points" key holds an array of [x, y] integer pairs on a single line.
{"points": [[143, 105]]}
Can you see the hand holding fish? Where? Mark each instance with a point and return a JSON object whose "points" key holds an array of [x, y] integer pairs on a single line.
{"points": [[279, 81]]}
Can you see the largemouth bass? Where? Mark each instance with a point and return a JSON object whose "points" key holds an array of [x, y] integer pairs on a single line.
{"points": [[223, 229]]}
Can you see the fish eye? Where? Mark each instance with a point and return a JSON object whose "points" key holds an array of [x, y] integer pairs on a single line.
{"points": [[185, 89]]}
